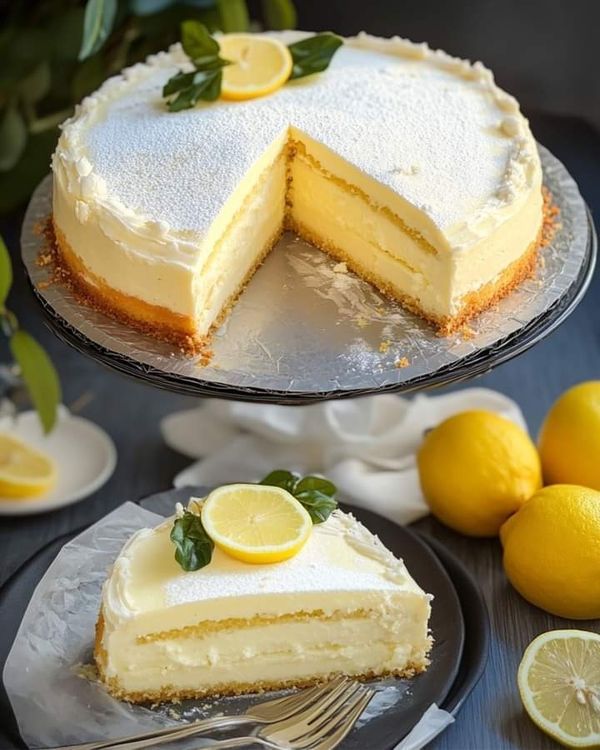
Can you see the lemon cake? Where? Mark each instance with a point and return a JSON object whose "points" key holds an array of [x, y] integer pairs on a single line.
{"points": [[408, 164], [342, 604]]}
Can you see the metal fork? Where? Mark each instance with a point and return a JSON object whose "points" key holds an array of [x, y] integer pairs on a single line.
{"points": [[324, 734], [267, 712]]}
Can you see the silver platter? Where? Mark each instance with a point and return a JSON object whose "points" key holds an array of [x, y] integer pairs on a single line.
{"points": [[303, 331]]}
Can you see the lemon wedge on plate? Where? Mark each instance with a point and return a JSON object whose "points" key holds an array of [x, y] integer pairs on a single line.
{"points": [[259, 65], [24, 471], [559, 682], [255, 523]]}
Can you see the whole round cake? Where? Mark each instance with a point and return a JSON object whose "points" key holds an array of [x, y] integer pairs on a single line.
{"points": [[409, 165]]}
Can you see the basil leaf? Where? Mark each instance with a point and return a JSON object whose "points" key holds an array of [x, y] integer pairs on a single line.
{"points": [[287, 480], [39, 375], [178, 82], [194, 547], [313, 54], [197, 42], [319, 505], [6, 274], [316, 494], [98, 23], [205, 85], [317, 484]]}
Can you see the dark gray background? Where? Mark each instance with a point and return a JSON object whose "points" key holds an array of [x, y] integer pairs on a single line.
{"points": [[550, 73], [544, 51]]}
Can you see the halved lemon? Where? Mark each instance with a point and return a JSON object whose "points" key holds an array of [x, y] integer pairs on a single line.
{"points": [[24, 471], [260, 65], [559, 682], [255, 523]]}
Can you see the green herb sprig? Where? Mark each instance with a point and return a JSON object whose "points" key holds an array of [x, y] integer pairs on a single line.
{"points": [[194, 547], [316, 494], [35, 366], [313, 54], [186, 88]]}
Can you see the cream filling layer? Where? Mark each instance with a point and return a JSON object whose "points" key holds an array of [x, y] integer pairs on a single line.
{"points": [[147, 592], [393, 249], [392, 255], [272, 652], [251, 230]]}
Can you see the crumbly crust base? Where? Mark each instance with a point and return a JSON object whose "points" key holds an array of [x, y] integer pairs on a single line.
{"points": [[163, 324], [151, 320], [169, 693], [473, 303]]}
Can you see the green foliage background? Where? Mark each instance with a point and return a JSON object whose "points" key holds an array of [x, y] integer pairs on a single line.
{"points": [[55, 52]]}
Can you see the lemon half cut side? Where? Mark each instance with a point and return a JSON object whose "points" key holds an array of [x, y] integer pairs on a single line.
{"points": [[559, 682], [24, 470], [256, 523]]}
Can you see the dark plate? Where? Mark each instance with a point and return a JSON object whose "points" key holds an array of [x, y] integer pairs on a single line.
{"points": [[459, 623]]}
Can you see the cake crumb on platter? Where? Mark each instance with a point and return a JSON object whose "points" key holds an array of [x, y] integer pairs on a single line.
{"points": [[402, 363]]}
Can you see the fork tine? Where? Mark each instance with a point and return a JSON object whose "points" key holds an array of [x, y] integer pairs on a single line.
{"points": [[346, 724], [296, 701], [299, 726], [325, 724], [332, 700]]}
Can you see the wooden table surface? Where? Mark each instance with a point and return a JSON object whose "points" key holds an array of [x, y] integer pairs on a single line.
{"points": [[492, 718]]}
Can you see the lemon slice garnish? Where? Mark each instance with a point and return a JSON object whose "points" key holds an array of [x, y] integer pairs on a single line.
{"points": [[260, 65], [24, 471], [255, 523], [559, 682]]}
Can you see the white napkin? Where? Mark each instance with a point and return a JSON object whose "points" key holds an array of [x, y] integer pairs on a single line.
{"points": [[366, 446]]}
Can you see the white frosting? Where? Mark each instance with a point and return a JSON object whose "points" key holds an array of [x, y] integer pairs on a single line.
{"points": [[167, 177], [232, 622], [340, 560]]}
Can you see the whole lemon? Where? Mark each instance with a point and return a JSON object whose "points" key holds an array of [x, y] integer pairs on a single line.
{"points": [[569, 440], [476, 469], [552, 551]]}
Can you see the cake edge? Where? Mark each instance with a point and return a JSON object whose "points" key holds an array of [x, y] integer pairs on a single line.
{"points": [[174, 328], [180, 333], [412, 669], [474, 302]]}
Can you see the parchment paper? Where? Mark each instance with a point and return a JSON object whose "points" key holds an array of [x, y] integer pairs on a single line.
{"points": [[52, 687]]}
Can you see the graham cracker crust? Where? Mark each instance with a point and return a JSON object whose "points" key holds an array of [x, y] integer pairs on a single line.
{"points": [[473, 303], [151, 320], [168, 693]]}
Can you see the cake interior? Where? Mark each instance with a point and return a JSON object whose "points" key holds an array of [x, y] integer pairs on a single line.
{"points": [[343, 605], [301, 185], [233, 657]]}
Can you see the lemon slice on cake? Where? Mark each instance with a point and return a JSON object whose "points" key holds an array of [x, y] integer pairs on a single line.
{"points": [[24, 471], [559, 682], [259, 65], [256, 523]]}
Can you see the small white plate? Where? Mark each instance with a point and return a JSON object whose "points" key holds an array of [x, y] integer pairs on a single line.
{"points": [[84, 454]]}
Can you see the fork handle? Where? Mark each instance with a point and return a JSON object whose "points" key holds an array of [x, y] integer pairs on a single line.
{"points": [[160, 736], [235, 742]]}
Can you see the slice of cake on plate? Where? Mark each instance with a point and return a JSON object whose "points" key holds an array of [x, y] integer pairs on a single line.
{"points": [[341, 603], [408, 164]]}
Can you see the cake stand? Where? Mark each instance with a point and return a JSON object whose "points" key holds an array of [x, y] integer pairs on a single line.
{"points": [[306, 330]]}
